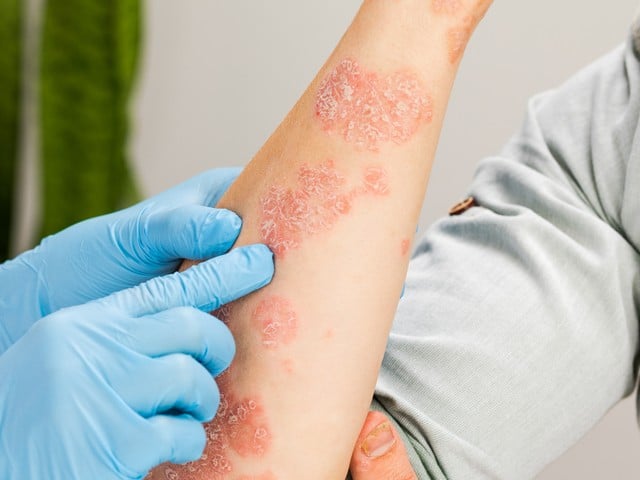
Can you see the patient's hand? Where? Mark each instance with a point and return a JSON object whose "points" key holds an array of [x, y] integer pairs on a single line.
{"points": [[379, 452]]}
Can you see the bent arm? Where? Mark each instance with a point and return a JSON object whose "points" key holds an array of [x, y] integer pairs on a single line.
{"points": [[519, 327], [335, 192]]}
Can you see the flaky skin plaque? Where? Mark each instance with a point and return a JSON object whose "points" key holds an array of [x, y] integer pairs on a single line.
{"points": [[321, 197], [369, 110], [239, 429], [276, 321]]}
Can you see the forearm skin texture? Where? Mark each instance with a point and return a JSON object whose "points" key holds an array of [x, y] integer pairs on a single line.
{"points": [[336, 193]]}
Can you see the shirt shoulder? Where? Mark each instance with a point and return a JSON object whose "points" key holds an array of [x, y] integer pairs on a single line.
{"points": [[635, 34]]}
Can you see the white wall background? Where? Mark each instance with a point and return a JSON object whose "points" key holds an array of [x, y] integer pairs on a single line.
{"points": [[218, 76]]}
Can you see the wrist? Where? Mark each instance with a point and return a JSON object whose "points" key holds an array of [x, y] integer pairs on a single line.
{"points": [[429, 36]]}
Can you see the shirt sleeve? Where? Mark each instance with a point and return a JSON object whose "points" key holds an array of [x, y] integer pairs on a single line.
{"points": [[518, 329]]}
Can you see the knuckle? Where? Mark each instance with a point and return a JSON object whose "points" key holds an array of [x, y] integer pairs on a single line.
{"points": [[184, 366], [195, 380]]}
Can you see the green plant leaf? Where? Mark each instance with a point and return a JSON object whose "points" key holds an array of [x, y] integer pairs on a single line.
{"points": [[10, 89], [88, 66]]}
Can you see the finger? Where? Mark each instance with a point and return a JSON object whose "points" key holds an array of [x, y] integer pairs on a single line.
{"points": [[205, 286], [175, 383], [379, 452], [191, 231], [175, 439], [187, 331]]}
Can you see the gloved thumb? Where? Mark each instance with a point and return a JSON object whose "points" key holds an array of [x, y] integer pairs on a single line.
{"points": [[205, 286]]}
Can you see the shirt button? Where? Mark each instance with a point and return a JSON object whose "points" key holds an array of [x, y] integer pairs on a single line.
{"points": [[463, 206]]}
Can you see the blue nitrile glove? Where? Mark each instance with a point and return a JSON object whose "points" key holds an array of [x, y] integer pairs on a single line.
{"points": [[97, 257], [112, 388]]}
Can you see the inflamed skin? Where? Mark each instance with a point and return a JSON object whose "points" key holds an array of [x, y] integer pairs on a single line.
{"points": [[322, 196], [369, 110]]}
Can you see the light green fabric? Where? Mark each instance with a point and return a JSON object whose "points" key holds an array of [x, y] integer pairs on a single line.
{"points": [[518, 329]]}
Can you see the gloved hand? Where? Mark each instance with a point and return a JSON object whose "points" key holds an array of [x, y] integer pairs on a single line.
{"points": [[112, 388], [103, 255]]}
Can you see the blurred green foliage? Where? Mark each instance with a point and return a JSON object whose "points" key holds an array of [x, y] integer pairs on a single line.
{"points": [[89, 53], [10, 88]]}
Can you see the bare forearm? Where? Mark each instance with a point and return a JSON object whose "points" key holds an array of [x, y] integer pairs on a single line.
{"points": [[336, 193]]}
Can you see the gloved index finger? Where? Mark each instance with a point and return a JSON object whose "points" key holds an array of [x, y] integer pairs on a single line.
{"points": [[205, 286], [192, 232], [185, 331]]}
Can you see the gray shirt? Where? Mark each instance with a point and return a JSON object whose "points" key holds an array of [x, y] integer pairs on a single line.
{"points": [[519, 326]]}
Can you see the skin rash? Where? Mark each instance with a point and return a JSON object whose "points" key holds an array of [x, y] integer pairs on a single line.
{"points": [[369, 110], [466, 20], [405, 246], [321, 197], [276, 321], [239, 430]]}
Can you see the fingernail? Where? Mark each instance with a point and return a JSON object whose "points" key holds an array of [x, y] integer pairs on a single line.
{"points": [[379, 441]]}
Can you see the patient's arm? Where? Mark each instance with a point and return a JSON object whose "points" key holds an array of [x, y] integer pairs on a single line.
{"points": [[336, 193]]}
